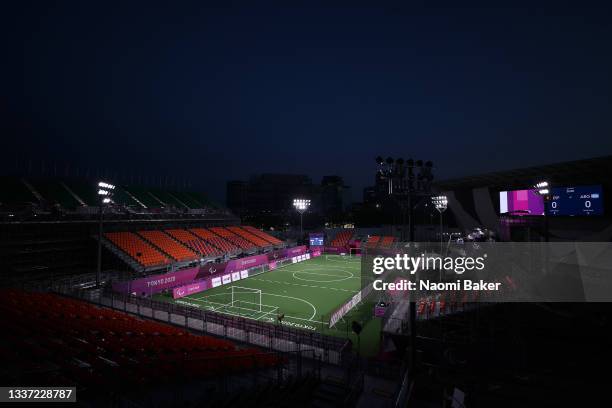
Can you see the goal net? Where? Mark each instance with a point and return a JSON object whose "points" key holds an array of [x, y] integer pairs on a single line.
{"points": [[353, 252], [246, 298]]}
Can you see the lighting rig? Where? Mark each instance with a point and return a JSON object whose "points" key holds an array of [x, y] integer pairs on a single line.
{"points": [[407, 180], [105, 194]]}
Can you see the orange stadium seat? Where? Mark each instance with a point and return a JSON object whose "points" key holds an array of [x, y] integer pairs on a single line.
{"points": [[214, 239], [249, 237], [342, 238], [233, 238], [386, 241], [194, 242], [137, 248], [176, 250], [373, 241], [261, 234]]}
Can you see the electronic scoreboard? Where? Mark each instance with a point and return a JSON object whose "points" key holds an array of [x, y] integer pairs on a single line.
{"points": [[316, 239], [578, 200]]}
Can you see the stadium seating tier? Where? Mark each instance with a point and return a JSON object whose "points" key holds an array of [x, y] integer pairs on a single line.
{"points": [[215, 240], [194, 242], [233, 238], [260, 242], [176, 250], [104, 349], [271, 239], [342, 238], [137, 248]]}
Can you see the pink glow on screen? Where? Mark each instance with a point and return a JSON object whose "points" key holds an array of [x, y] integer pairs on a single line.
{"points": [[524, 202]]}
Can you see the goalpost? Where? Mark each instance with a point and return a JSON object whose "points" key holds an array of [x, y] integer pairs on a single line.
{"points": [[246, 298], [354, 252], [246, 302]]}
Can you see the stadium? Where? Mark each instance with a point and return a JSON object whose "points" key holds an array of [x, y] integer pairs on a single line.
{"points": [[305, 206], [189, 287]]}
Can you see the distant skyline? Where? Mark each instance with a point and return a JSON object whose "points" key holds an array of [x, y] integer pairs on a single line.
{"points": [[188, 92]]}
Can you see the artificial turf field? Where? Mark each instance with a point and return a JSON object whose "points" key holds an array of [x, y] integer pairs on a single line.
{"points": [[305, 292]]}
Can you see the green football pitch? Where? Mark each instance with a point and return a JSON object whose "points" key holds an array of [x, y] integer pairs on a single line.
{"points": [[306, 293]]}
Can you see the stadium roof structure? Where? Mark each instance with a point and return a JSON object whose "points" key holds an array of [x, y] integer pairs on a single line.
{"points": [[587, 171]]}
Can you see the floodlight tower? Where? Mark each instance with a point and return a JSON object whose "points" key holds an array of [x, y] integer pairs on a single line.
{"points": [[105, 192], [542, 188], [406, 180], [441, 204], [301, 205]]}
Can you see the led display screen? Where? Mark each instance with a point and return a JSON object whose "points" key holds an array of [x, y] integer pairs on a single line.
{"points": [[521, 202], [316, 239], [577, 200]]}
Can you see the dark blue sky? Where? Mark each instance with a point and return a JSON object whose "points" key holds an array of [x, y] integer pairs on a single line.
{"points": [[216, 93]]}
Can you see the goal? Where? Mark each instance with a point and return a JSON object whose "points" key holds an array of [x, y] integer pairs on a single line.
{"points": [[246, 298], [353, 252]]}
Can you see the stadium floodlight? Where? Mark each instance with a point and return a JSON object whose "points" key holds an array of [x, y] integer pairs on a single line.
{"points": [[301, 205], [103, 184], [407, 179], [542, 188], [441, 204], [105, 192]]}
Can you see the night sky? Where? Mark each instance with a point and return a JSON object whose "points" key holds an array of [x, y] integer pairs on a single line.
{"points": [[191, 91]]}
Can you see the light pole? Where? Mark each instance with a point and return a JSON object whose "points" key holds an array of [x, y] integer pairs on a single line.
{"points": [[105, 192], [405, 180], [301, 206], [441, 204], [542, 188]]}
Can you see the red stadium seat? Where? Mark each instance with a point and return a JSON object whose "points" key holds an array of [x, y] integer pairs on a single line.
{"points": [[107, 348], [342, 238]]}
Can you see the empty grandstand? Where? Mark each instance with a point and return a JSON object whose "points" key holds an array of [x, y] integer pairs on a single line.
{"points": [[342, 238], [194, 242], [233, 238], [267, 237], [260, 242], [169, 246], [79, 196], [373, 241], [139, 250], [97, 348], [386, 241], [215, 240]]}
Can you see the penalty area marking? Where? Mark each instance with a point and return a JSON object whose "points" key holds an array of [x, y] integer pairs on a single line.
{"points": [[338, 278], [304, 286], [314, 309]]}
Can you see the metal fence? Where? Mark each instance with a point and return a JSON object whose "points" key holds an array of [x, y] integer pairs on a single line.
{"points": [[269, 336]]}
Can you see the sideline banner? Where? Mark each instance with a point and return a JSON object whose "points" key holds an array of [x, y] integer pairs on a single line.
{"points": [[199, 276], [156, 283]]}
